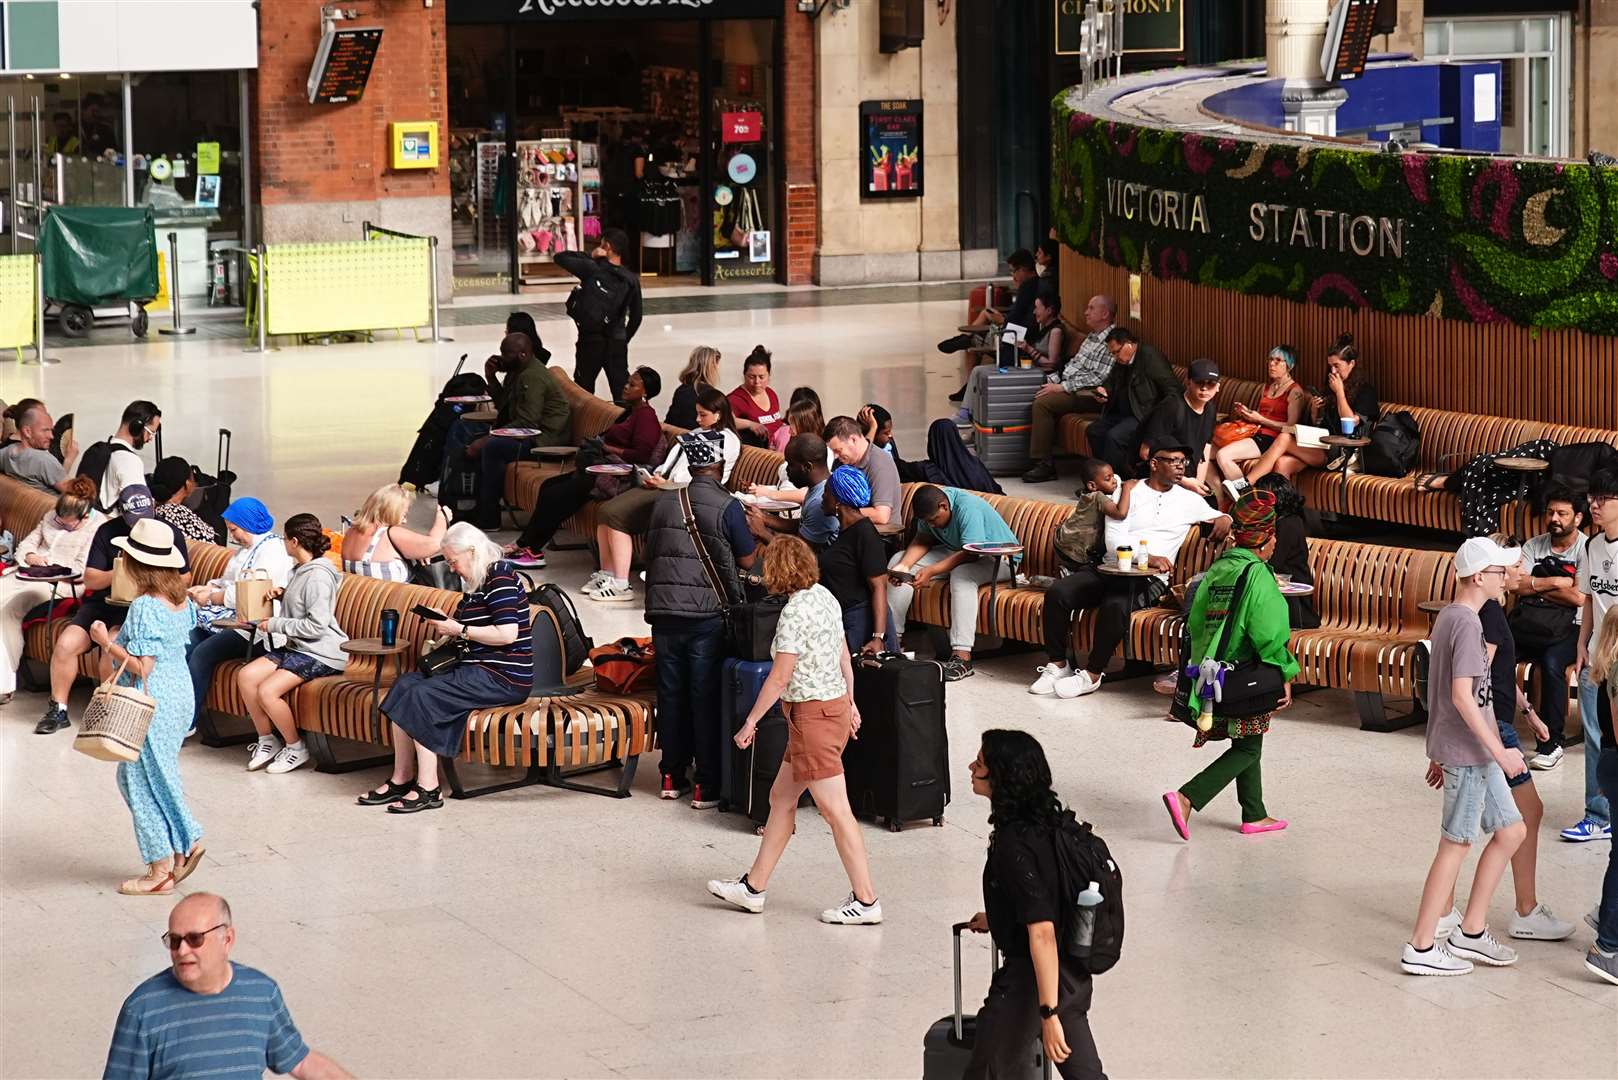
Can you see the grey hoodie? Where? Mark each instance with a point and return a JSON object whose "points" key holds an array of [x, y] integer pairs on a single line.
{"points": [[309, 613]]}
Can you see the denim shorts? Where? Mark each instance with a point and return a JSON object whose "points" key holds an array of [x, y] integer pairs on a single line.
{"points": [[300, 664], [1476, 800], [1508, 739]]}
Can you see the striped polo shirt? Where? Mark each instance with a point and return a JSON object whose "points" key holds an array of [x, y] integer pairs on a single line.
{"points": [[166, 1031], [500, 602]]}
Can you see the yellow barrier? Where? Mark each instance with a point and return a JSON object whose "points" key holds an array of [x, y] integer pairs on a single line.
{"points": [[17, 290], [334, 287]]}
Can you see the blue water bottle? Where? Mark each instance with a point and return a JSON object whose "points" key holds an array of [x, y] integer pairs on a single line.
{"points": [[390, 626]]}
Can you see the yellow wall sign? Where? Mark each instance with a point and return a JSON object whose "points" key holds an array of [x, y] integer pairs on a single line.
{"points": [[413, 144]]}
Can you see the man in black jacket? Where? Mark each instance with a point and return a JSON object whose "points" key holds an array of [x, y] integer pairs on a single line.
{"points": [[604, 338], [684, 606], [1140, 381]]}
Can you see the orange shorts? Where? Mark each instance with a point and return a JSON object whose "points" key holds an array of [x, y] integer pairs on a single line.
{"points": [[817, 731]]}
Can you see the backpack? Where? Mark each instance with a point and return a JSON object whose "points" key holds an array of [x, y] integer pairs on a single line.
{"points": [[596, 302], [1395, 448], [576, 644], [1081, 858], [626, 666], [93, 465]]}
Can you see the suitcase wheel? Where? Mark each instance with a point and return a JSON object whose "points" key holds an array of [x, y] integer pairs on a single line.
{"points": [[895, 826], [938, 822]]}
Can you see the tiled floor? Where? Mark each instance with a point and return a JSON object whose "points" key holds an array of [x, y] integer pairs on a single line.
{"points": [[547, 933]]}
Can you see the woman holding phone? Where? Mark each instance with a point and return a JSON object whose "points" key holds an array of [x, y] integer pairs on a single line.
{"points": [[1348, 404], [429, 716]]}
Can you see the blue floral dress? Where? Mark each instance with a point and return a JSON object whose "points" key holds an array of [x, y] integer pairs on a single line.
{"points": [[151, 784]]}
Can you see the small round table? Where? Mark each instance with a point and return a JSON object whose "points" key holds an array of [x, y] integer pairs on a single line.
{"points": [[72, 581], [1112, 569], [373, 647], [1522, 466], [558, 453], [1431, 608], [1353, 445], [481, 416], [996, 552]]}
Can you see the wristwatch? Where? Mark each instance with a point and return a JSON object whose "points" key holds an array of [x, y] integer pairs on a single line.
{"points": [[1046, 1012]]}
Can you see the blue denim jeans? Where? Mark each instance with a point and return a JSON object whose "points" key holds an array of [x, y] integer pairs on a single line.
{"points": [[1596, 803], [689, 727], [206, 650], [1553, 662], [497, 453]]}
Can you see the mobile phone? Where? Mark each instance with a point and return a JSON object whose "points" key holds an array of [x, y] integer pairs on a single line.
{"points": [[904, 577], [422, 611]]}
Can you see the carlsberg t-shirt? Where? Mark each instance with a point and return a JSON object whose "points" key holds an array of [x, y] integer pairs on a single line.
{"points": [[1459, 652]]}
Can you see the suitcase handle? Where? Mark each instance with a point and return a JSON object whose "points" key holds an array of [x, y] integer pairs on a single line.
{"points": [[994, 965], [224, 452]]}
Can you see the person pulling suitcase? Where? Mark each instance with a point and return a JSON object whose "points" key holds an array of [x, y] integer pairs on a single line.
{"points": [[1053, 929]]}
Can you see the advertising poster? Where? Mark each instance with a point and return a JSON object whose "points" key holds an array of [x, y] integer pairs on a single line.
{"points": [[890, 149]]}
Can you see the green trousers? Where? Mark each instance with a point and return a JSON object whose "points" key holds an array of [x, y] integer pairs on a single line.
{"points": [[1240, 762]]}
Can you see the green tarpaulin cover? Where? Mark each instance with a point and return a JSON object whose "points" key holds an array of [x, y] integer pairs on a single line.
{"points": [[99, 254]]}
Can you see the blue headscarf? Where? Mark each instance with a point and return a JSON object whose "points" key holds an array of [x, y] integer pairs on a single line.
{"points": [[249, 514], [851, 487]]}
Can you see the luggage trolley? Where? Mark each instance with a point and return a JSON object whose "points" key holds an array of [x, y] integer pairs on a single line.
{"points": [[100, 264]]}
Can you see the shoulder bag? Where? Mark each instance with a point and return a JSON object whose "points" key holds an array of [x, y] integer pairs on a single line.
{"points": [[749, 625], [115, 721], [1250, 688], [445, 654]]}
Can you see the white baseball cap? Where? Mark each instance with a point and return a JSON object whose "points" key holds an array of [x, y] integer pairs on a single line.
{"points": [[1479, 553]]}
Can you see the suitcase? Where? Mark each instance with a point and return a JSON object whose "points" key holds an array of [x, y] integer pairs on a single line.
{"points": [[980, 297], [947, 1048], [1002, 418], [746, 775], [898, 769]]}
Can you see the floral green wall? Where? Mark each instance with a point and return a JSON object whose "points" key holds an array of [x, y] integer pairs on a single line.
{"points": [[1464, 237]]}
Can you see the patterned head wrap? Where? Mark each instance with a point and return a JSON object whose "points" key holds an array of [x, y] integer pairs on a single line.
{"points": [[702, 448], [851, 487], [1254, 515]]}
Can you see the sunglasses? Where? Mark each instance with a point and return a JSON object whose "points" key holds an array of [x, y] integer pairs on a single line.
{"points": [[193, 939]]}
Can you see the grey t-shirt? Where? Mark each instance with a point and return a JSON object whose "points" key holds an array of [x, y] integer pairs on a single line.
{"points": [[37, 468], [1459, 652], [1540, 546], [883, 476]]}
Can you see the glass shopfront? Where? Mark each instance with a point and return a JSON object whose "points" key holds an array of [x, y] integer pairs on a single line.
{"points": [[644, 118]]}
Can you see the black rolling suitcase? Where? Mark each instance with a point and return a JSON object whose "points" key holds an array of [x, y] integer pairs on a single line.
{"points": [[947, 1048], [898, 768], [747, 775]]}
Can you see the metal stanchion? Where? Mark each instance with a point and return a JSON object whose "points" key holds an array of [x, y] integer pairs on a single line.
{"points": [[39, 314], [432, 279], [174, 290], [263, 296]]}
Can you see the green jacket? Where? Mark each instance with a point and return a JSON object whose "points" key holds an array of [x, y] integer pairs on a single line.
{"points": [[1261, 630], [530, 398]]}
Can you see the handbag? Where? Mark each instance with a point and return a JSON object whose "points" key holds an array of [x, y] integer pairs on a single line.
{"points": [[116, 720], [123, 590], [750, 624], [442, 655], [253, 596], [1231, 431], [1250, 688], [625, 666], [1537, 623]]}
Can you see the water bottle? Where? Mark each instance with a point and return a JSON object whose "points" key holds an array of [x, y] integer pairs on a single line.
{"points": [[1089, 900], [390, 626]]}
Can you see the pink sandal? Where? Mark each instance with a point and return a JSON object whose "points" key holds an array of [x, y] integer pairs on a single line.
{"points": [[1253, 828], [1171, 800]]}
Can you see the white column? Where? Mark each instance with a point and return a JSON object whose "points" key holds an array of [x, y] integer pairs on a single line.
{"points": [[1294, 34]]}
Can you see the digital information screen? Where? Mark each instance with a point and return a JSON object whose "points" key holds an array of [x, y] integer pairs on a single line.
{"points": [[343, 64]]}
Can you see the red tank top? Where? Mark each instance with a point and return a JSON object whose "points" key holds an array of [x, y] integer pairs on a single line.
{"points": [[1275, 408]]}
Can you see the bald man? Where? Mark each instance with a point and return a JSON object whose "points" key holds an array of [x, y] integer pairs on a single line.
{"points": [[1072, 389], [207, 1016], [529, 399]]}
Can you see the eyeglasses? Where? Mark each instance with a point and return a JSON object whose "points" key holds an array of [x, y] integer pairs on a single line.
{"points": [[1601, 500], [1169, 461], [149, 429], [193, 939]]}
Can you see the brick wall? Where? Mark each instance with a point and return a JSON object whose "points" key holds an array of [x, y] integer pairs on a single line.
{"points": [[802, 231], [339, 153]]}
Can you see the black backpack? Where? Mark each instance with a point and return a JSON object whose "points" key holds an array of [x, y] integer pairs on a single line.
{"points": [[596, 302], [1082, 857], [1395, 448], [93, 465], [576, 644]]}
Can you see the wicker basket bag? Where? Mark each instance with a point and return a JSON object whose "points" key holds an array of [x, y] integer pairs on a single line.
{"points": [[115, 722]]}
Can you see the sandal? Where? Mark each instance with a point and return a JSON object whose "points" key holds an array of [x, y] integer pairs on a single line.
{"points": [[392, 793], [185, 864], [161, 886], [1424, 483], [425, 800]]}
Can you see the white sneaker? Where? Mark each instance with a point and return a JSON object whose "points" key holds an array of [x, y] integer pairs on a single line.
{"points": [[291, 757], [1448, 924], [1483, 948], [734, 891], [263, 752], [1546, 761], [853, 913], [1078, 684], [1437, 960], [1540, 925], [610, 592], [1237, 488], [594, 582], [1045, 685]]}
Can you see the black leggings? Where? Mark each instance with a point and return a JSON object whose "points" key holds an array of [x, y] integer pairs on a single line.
{"points": [[560, 498], [1008, 1025]]}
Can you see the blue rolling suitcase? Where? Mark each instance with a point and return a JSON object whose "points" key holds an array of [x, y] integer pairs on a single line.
{"points": [[746, 775]]}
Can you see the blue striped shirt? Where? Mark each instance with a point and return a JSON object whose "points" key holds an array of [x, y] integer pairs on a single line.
{"points": [[502, 601], [165, 1031]]}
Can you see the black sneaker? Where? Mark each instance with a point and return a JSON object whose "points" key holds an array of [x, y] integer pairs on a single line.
{"points": [[955, 344], [1040, 474], [959, 395], [54, 720], [956, 669]]}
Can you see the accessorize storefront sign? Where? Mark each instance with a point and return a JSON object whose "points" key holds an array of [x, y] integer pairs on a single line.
{"points": [[493, 11], [1469, 237]]}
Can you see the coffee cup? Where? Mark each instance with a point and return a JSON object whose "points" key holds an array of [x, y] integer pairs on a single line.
{"points": [[1349, 424], [1126, 558]]}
